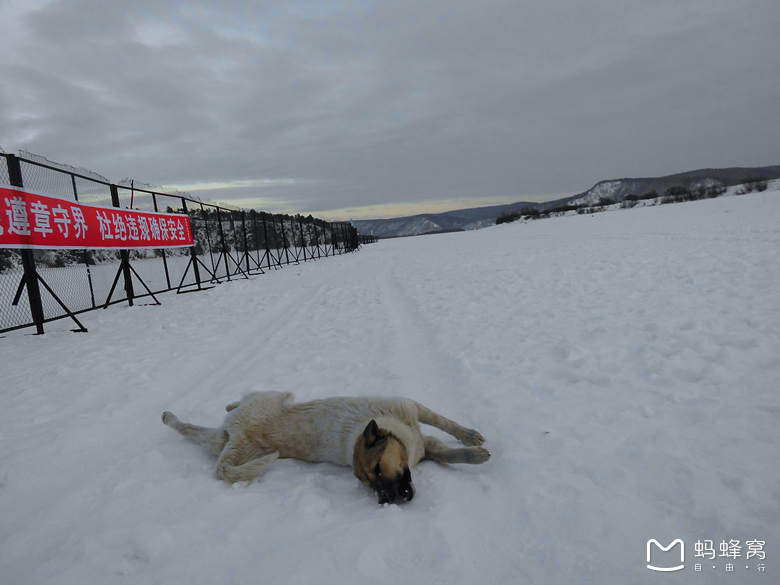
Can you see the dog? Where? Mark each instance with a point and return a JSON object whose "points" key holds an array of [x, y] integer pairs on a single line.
{"points": [[379, 437]]}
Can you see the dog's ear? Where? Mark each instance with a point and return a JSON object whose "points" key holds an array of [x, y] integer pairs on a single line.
{"points": [[371, 434]]}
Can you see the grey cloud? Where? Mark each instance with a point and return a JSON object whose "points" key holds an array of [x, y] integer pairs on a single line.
{"points": [[366, 103]]}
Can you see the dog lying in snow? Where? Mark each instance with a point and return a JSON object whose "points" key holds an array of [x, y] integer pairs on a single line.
{"points": [[379, 437]]}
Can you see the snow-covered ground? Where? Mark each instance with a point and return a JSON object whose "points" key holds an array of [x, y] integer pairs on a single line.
{"points": [[624, 368]]}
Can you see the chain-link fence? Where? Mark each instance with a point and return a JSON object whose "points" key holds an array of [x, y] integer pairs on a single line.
{"points": [[38, 286]]}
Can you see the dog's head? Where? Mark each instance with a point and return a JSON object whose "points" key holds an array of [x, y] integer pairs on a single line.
{"points": [[381, 462]]}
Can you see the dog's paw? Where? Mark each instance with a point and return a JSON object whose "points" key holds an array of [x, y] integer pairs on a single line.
{"points": [[478, 455], [168, 418], [471, 438]]}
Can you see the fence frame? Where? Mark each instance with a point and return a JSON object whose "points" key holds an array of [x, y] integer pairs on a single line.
{"points": [[236, 257]]}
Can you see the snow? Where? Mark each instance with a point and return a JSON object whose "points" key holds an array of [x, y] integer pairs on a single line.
{"points": [[624, 368]]}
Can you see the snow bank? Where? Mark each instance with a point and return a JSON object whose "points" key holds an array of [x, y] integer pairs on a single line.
{"points": [[623, 367]]}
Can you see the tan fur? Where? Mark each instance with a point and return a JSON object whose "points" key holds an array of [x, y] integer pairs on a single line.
{"points": [[380, 438]]}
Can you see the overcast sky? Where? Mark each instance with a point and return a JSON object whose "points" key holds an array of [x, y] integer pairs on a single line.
{"points": [[375, 109]]}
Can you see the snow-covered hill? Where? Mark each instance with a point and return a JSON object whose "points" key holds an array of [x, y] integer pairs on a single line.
{"points": [[712, 181], [623, 368], [460, 220], [707, 179]]}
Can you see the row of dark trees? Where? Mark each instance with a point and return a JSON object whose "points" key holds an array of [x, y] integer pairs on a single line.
{"points": [[220, 231]]}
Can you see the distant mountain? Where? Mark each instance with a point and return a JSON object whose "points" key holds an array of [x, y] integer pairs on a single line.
{"points": [[617, 190], [459, 220]]}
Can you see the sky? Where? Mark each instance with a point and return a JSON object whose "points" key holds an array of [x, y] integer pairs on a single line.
{"points": [[382, 109]]}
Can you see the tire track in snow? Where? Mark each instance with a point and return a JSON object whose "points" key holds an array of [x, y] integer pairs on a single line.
{"points": [[272, 330], [420, 366]]}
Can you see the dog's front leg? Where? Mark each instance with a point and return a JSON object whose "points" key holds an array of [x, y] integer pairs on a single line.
{"points": [[466, 436]]}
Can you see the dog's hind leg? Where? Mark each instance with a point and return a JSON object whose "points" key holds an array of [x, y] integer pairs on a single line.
{"points": [[466, 436], [438, 451], [233, 466], [213, 440]]}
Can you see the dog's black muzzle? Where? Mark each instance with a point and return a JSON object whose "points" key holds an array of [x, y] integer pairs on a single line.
{"points": [[401, 489]]}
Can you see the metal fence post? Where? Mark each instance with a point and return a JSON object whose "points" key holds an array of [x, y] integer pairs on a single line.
{"points": [[303, 237], [255, 234], [223, 254], [317, 239], [86, 256], [246, 241], [208, 240], [28, 260], [193, 254], [284, 242], [265, 237], [124, 255], [162, 250], [275, 241]]}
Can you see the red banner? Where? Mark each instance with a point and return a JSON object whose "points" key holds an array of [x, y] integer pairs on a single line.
{"points": [[34, 220]]}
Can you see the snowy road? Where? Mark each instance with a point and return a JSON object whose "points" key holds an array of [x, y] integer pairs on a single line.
{"points": [[623, 367]]}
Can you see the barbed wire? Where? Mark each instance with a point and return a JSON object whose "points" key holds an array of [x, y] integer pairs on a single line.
{"points": [[69, 168], [132, 183], [127, 182]]}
